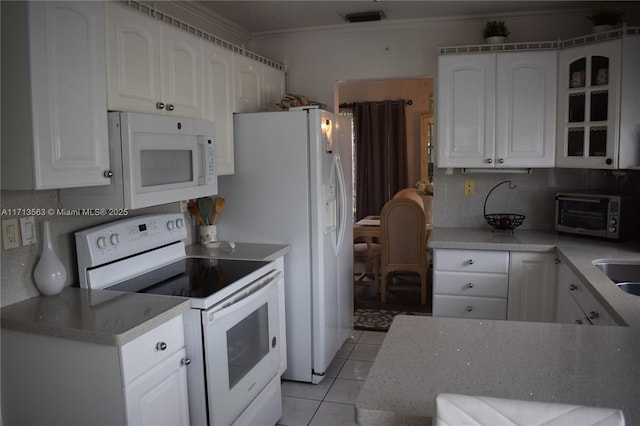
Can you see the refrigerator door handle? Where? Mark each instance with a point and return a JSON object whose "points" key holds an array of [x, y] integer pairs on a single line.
{"points": [[342, 203]]}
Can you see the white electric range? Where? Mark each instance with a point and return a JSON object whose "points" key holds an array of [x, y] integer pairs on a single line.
{"points": [[234, 332]]}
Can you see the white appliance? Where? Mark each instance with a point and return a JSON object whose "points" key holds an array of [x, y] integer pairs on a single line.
{"points": [[155, 160], [234, 333], [293, 185]]}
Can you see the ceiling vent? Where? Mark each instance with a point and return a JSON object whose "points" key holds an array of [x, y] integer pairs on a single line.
{"points": [[376, 15]]}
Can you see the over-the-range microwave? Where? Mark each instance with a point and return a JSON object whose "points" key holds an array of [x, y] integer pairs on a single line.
{"points": [[598, 214], [155, 159]]}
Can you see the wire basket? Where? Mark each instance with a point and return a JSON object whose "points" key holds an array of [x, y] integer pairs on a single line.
{"points": [[502, 221]]}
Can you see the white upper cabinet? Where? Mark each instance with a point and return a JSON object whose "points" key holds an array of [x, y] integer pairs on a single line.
{"points": [[153, 67], [497, 109], [217, 65], [248, 79], [273, 86], [526, 109], [54, 107], [598, 100], [588, 101], [466, 110], [629, 146]]}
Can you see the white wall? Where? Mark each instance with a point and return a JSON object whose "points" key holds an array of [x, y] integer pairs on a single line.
{"points": [[316, 59]]}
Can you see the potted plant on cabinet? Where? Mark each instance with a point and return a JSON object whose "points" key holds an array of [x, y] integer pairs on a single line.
{"points": [[495, 32], [605, 19]]}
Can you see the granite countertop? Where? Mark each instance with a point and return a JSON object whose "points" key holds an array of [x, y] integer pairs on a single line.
{"points": [[577, 252], [94, 316], [564, 363], [244, 251], [423, 356]]}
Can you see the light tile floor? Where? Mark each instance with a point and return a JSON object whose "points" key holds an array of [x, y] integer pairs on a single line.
{"points": [[331, 403]]}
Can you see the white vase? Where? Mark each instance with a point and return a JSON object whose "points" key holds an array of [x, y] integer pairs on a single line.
{"points": [[496, 39], [50, 274]]}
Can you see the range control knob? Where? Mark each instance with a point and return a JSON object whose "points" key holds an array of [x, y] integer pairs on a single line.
{"points": [[102, 242], [171, 225], [114, 239], [612, 229], [612, 222], [179, 223]]}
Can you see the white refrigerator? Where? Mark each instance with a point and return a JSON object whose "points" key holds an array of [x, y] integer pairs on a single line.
{"points": [[292, 184]]}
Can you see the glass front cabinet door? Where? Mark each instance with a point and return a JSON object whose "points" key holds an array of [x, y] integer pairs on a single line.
{"points": [[589, 95]]}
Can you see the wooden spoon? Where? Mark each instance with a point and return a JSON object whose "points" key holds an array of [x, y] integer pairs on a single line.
{"points": [[220, 202], [193, 209]]}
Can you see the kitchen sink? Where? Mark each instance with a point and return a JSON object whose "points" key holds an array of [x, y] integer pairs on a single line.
{"points": [[631, 288], [625, 274]]}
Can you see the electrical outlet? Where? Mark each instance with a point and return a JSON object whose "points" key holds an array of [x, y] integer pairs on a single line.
{"points": [[469, 188], [10, 234]]}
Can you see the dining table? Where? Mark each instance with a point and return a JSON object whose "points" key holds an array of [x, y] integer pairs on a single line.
{"points": [[369, 228]]}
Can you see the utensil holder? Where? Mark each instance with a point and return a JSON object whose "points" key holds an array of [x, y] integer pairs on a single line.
{"points": [[208, 234]]}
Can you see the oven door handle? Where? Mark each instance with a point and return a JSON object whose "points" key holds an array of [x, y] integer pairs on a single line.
{"points": [[585, 200], [253, 290]]}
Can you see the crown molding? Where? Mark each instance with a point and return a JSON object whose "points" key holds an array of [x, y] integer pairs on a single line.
{"points": [[220, 21]]}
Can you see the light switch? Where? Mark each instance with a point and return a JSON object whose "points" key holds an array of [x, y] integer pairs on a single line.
{"points": [[28, 230], [10, 234]]}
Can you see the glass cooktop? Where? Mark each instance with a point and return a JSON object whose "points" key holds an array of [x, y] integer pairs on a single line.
{"points": [[197, 277]]}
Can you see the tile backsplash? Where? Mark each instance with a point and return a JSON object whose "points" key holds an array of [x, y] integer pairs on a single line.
{"points": [[534, 195], [18, 264]]}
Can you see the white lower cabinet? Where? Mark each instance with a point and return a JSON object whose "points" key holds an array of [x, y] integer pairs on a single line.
{"points": [[470, 283], [56, 381], [575, 304], [160, 396], [532, 286], [489, 284]]}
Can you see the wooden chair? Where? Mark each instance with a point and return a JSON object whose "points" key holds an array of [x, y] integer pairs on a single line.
{"points": [[412, 194], [365, 250], [404, 241]]}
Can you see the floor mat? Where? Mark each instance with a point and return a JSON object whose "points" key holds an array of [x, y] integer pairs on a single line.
{"points": [[373, 315], [378, 319], [373, 319]]}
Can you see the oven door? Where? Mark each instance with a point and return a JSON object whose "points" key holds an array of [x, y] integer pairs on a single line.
{"points": [[242, 347], [582, 215]]}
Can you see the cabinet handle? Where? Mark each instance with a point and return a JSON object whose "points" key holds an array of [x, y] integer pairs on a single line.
{"points": [[161, 346], [573, 287], [469, 308], [501, 161], [470, 261], [594, 315], [470, 285], [108, 173], [185, 361], [170, 107], [489, 161], [159, 105]]}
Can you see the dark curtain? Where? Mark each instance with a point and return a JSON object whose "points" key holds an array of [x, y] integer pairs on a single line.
{"points": [[380, 152]]}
